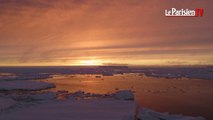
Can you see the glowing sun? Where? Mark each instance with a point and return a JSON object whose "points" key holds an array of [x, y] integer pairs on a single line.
{"points": [[89, 62]]}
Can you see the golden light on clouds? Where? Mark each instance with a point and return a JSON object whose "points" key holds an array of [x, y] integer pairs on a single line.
{"points": [[88, 63], [69, 32]]}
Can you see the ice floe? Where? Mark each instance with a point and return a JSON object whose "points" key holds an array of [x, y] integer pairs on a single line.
{"points": [[147, 114], [117, 106], [6, 103], [99, 109], [24, 85], [30, 97], [124, 95], [196, 73]]}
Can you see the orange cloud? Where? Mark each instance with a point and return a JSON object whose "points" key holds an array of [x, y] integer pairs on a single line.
{"points": [[62, 32]]}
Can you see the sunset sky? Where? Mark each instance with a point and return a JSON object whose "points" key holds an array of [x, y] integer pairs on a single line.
{"points": [[104, 32]]}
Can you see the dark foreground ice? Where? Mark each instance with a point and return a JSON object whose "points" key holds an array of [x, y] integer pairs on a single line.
{"points": [[78, 106]]}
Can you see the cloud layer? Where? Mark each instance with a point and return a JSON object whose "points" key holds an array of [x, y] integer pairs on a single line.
{"points": [[62, 32]]}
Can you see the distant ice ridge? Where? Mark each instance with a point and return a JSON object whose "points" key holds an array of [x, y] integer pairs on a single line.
{"points": [[25, 76], [196, 73], [32, 73], [24, 85]]}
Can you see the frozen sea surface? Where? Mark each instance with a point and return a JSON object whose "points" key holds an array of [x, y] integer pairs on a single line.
{"points": [[76, 110], [147, 114], [6, 103], [24, 85], [109, 108], [121, 105]]}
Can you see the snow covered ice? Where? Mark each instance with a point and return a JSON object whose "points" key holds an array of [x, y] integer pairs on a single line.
{"points": [[147, 114], [76, 110], [118, 106], [124, 95], [24, 85], [78, 105], [6, 103]]}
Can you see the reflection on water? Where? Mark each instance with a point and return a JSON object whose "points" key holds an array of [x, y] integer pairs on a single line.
{"points": [[180, 96]]}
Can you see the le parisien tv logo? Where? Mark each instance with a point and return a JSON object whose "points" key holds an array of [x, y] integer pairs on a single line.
{"points": [[198, 12]]}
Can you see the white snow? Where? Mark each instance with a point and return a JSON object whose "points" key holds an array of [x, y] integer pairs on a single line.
{"points": [[6, 103], [44, 96], [33, 96], [124, 95], [99, 109], [118, 106], [147, 114], [24, 85], [85, 95]]}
